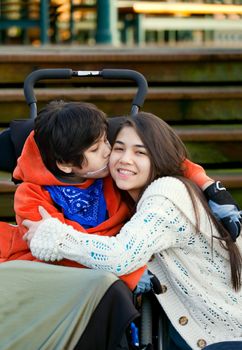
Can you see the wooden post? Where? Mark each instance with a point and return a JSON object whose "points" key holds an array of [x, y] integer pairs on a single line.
{"points": [[44, 21], [107, 22]]}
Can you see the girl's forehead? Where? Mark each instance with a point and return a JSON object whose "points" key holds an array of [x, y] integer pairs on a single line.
{"points": [[126, 131], [128, 135]]}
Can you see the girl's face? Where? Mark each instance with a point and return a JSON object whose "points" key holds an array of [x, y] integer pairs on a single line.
{"points": [[129, 162], [95, 165]]}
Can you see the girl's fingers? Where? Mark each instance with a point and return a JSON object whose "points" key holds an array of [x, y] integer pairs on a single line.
{"points": [[44, 213], [28, 236], [27, 223], [25, 236]]}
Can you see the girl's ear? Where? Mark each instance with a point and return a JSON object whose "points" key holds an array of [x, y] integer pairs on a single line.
{"points": [[65, 167]]}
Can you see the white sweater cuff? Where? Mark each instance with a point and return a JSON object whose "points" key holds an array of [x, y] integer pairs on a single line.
{"points": [[46, 240]]}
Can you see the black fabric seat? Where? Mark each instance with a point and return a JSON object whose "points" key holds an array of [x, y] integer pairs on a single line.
{"points": [[12, 141], [7, 152]]}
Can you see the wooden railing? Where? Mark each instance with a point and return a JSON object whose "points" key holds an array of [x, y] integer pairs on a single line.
{"points": [[24, 15], [58, 20], [153, 16], [140, 20]]}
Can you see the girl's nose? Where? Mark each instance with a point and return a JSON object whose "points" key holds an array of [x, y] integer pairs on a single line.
{"points": [[126, 158]]}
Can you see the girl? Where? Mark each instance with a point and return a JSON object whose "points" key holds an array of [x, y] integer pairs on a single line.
{"points": [[193, 256]]}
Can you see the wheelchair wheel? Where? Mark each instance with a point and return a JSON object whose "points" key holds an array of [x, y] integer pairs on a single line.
{"points": [[153, 324], [146, 321], [159, 334]]}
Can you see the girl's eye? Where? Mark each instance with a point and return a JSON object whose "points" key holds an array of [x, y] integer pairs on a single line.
{"points": [[117, 149], [142, 153]]}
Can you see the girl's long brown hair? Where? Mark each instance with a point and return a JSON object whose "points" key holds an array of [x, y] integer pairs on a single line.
{"points": [[167, 154]]}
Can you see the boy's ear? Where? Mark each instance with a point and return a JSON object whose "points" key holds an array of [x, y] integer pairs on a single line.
{"points": [[65, 167]]}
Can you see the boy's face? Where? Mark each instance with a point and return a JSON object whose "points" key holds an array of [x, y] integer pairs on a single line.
{"points": [[96, 161]]}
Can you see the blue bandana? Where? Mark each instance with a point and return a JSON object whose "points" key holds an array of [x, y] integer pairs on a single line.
{"points": [[85, 206]]}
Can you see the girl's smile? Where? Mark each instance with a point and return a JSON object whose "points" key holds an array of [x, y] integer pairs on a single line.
{"points": [[125, 173]]}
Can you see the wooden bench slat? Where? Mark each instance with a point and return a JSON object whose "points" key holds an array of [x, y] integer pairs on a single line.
{"points": [[158, 65], [7, 186], [110, 93], [210, 133], [174, 104], [230, 179]]}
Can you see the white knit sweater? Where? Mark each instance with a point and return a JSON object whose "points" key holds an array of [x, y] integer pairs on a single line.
{"points": [[198, 298]]}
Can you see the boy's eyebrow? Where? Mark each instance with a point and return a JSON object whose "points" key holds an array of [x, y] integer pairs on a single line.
{"points": [[122, 143]]}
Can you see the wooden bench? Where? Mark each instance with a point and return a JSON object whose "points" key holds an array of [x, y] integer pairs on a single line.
{"points": [[218, 67], [180, 104], [7, 190]]}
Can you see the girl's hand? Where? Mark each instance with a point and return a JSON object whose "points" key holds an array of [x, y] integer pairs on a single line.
{"points": [[33, 225]]}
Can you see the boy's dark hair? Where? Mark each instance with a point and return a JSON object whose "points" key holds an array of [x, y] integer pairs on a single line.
{"points": [[64, 130]]}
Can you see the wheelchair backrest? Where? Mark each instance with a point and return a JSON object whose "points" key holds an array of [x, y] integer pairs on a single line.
{"points": [[12, 141]]}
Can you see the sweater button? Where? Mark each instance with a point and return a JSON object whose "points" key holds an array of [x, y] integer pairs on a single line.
{"points": [[183, 320], [201, 343]]}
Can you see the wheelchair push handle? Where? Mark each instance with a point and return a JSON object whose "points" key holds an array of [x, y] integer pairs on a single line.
{"points": [[65, 73], [128, 74], [37, 75], [42, 74]]}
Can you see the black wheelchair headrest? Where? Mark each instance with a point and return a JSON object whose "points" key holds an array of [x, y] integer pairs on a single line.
{"points": [[113, 126], [12, 141]]}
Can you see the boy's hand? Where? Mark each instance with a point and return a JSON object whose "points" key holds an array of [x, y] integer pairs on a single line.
{"points": [[224, 208]]}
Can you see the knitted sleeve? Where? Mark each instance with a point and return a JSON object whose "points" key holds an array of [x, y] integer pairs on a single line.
{"points": [[157, 225]]}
